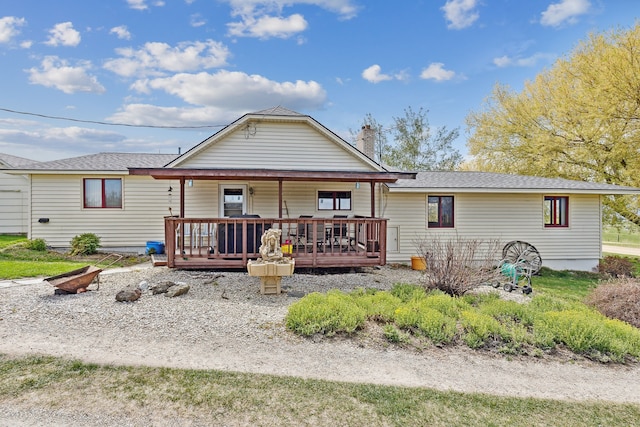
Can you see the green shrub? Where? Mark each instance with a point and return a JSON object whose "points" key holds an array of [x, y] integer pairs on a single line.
{"points": [[394, 335], [85, 244], [328, 314], [480, 329], [380, 306], [438, 327], [446, 304], [508, 311], [580, 330], [407, 292], [39, 245]]}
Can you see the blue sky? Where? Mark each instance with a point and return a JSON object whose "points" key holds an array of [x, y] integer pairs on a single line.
{"points": [[196, 63]]}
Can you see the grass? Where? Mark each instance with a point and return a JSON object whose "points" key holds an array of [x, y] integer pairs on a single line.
{"points": [[223, 398], [16, 261], [625, 238]]}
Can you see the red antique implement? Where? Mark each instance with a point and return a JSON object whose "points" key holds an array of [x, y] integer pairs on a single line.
{"points": [[77, 281]]}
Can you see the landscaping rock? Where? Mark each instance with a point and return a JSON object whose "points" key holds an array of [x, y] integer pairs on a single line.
{"points": [[177, 290], [161, 288], [128, 295]]}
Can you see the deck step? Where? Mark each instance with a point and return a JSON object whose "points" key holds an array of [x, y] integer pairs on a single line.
{"points": [[158, 260]]}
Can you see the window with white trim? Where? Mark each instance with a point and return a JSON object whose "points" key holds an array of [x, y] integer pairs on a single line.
{"points": [[556, 211]]}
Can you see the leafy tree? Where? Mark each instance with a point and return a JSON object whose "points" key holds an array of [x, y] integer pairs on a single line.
{"points": [[577, 120], [416, 148]]}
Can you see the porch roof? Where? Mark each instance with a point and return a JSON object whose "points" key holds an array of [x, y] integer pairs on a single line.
{"points": [[271, 174]]}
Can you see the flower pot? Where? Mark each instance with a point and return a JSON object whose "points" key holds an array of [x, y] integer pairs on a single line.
{"points": [[417, 263]]}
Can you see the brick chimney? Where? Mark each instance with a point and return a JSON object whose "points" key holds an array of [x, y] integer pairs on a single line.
{"points": [[365, 141]]}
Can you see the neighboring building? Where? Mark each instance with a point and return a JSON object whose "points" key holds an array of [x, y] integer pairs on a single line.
{"points": [[14, 196], [280, 165]]}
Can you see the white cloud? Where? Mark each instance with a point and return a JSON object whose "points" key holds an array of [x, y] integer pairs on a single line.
{"points": [[373, 74], [236, 90], [58, 74], [63, 34], [529, 61], [9, 28], [435, 71], [346, 9], [155, 58], [266, 27], [153, 115], [565, 11], [197, 20], [460, 13], [121, 31], [26, 44], [142, 4], [263, 18]]}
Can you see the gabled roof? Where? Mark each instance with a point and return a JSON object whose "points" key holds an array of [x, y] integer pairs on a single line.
{"points": [[482, 182], [7, 160], [101, 162], [276, 114]]}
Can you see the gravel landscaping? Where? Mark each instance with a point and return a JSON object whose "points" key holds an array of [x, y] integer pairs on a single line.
{"points": [[224, 323]]}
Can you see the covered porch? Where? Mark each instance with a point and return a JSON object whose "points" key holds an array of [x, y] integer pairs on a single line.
{"points": [[315, 240]]}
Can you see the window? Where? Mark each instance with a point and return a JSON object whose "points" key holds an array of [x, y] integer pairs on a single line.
{"points": [[334, 200], [103, 193], [556, 211], [440, 212], [233, 202]]}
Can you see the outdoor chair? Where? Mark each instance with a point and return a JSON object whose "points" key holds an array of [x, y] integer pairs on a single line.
{"points": [[300, 232]]}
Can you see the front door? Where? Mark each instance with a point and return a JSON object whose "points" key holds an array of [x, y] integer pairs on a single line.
{"points": [[233, 200]]}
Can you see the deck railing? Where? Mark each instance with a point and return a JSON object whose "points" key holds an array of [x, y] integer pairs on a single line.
{"points": [[313, 242]]}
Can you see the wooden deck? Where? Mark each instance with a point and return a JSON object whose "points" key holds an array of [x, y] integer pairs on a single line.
{"points": [[315, 242]]}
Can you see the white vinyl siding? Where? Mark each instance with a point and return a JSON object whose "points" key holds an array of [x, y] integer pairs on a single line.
{"points": [[145, 204], [14, 204], [505, 217], [289, 146]]}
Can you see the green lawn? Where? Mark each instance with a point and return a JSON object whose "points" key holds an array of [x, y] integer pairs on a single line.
{"points": [[209, 397], [17, 261]]}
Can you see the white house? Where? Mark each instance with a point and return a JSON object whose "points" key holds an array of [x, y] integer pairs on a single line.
{"points": [[280, 169]]}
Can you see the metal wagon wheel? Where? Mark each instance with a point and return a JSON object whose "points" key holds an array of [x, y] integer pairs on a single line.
{"points": [[519, 251]]}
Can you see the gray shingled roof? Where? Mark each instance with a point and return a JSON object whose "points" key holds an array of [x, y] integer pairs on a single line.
{"points": [[14, 161], [460, 181], [103, 162], [278, 111]]}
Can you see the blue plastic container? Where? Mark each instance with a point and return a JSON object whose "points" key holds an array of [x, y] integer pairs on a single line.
{"points": [[158, 247]]}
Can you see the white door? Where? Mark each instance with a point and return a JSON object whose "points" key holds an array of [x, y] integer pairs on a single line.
{"points": [[233, 200]]}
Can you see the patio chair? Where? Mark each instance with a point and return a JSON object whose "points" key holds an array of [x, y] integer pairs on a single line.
{"points": [[339, 230], [300, 232]]}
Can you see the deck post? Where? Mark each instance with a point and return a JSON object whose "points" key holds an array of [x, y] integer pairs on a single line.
{"points": [[372, 184]]}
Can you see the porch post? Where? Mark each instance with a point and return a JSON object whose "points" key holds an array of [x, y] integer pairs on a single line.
{"points": [[280, 198], [182, 197], [373, 198]]}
